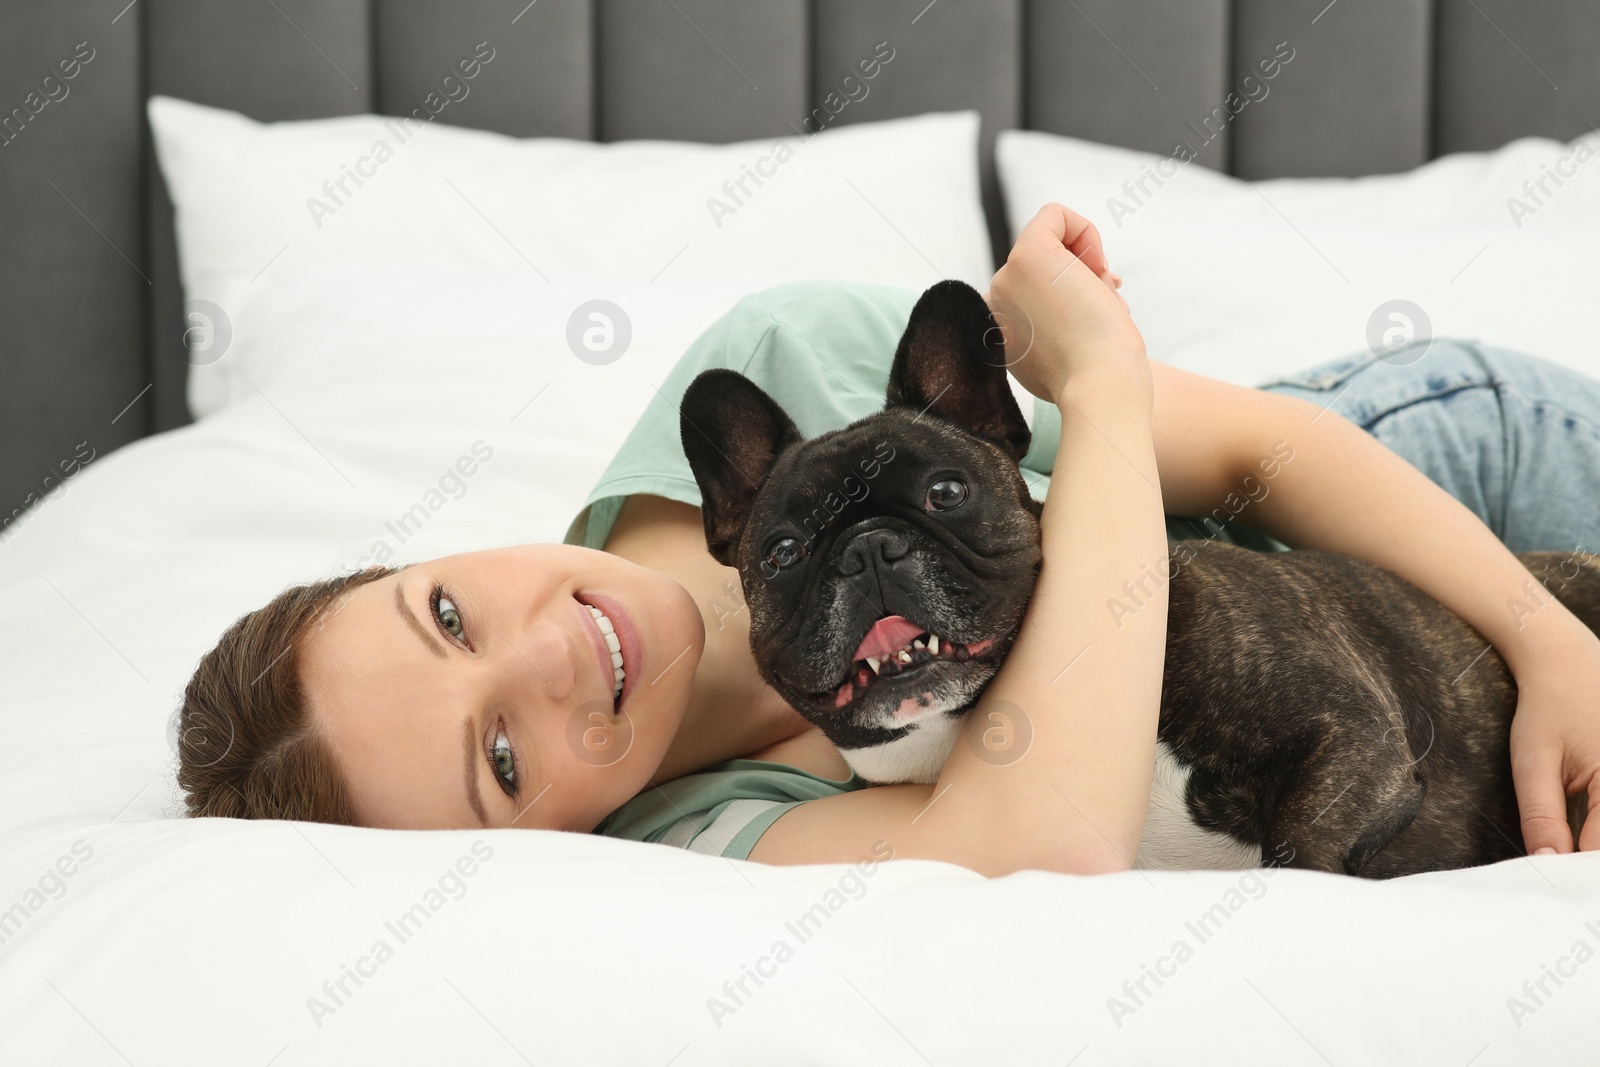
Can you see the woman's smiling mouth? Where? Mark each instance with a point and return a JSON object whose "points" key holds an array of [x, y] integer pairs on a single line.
{"points": [[602, 634], [616, 642]]}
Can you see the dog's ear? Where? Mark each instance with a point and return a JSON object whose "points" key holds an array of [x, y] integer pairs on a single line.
{"points": [[732, 433], [952, 363]]}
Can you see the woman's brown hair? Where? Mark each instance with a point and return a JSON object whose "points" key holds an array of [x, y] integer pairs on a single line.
{"points": [[248, 747]]}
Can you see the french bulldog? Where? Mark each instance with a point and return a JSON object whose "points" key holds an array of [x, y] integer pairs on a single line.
{"points": [[1317, 711]]}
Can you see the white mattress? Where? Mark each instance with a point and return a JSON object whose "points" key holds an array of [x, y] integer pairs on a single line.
{"points": [[206, 942]]}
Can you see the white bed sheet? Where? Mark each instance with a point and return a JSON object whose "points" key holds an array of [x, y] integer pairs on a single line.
{"points": [[174, 941]]}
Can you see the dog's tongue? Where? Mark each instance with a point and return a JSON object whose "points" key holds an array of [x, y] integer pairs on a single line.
{"points": [[886, 636]]}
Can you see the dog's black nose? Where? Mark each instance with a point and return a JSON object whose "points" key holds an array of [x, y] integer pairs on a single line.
{"points": [[869, 549]]}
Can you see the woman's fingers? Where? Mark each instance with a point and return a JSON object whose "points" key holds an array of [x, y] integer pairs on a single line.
{"points": [[1541, 799], [1054, 227]]}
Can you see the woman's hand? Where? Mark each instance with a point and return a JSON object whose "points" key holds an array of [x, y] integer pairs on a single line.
{"points": [[1555, 740], [1057, 304]]}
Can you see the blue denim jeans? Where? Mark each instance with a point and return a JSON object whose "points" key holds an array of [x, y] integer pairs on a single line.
{"points": [[1513, 437]]}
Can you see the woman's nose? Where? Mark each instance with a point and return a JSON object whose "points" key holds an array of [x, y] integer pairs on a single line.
{"points": [[549, 653]]}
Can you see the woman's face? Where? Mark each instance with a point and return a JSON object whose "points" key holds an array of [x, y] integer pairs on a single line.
{"points": [[477, 690]]}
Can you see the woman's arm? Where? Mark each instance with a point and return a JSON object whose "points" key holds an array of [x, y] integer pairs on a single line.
{"points": [[1088, 688], [1344, 492], [1076, 800]]}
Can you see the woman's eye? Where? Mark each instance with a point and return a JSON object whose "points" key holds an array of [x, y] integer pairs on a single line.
{"points": [[449, 617], [785, 552], [444, 609], [505, 763], [946, 493]]}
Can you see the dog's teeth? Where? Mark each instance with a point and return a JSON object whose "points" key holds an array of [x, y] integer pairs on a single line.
{"points": [[918, 643], [875, 664], [904, 656], [933, 644]]}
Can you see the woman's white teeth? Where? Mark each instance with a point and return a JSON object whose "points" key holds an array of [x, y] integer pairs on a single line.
{"points": [[618, 676]]}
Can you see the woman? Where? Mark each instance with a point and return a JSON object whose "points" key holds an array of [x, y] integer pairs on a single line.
{"points": [[476, 691]]}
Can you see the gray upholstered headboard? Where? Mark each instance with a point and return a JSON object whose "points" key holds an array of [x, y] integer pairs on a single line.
{"points": [[90, 305]]}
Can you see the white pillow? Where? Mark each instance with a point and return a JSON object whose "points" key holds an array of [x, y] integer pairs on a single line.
{"points": [[893, 202], [1251, 281], [394, 370]]}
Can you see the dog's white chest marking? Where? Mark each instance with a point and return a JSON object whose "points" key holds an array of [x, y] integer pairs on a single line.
{"points": [[1172, 840], [916, 757]]}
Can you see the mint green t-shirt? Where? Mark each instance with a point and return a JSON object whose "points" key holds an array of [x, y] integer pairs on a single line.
{"points": [[823, 351], [723, 809]]}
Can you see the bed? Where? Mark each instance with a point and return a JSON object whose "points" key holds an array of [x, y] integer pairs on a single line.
{"points": [[193, 434]]}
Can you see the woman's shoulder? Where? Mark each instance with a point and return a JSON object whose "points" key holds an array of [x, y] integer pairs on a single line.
{"points": [[768, 328], [825, 306], [822, 349]]}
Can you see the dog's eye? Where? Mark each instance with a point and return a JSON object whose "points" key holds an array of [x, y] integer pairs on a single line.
{"points": [[946, 493], [784, 553]]}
